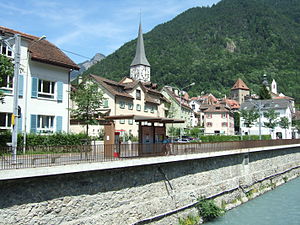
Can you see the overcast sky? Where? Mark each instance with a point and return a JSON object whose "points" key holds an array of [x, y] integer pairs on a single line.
{"points": [[86, 27]]}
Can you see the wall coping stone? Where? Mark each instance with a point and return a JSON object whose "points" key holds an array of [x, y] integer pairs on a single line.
{"points": [[97, 166]]}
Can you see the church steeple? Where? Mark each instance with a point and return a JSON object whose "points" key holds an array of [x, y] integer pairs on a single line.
{"points": [[140, 67]]}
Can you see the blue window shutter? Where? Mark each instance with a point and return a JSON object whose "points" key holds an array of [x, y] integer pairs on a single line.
{"points": [[59, 124], [33, 123], [21, 84], [20, 124], [34, 87], [59, 91]]}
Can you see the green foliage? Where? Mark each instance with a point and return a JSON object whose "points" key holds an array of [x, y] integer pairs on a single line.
{"points": [[223, 138], [56, 139], [264, 93], [195, 132], [193, 47], [272, 116], [189, 220], [250, 117], [6, 69], [208, 210], [88, 98], [174, 131], [236, 117], [284, 123]]}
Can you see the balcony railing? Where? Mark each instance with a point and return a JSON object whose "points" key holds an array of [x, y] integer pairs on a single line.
{"points": [[41, 156]]}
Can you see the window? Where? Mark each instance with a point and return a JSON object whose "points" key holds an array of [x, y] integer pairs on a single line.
{"points": [[4, 50], [5, 120], [138, 107], [130, 122], [193, 106], [209, 124], [209, 116], [223, 115], [224, 124], [7, 82], [45, 124], [122, 121], [105, 103], [138, 94], [152, 109], [122, 105], [46, 89], [130, 106], [145, 108]]}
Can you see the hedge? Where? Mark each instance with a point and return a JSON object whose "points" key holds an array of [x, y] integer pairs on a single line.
{"points": [[222, 138], [56, 139]]}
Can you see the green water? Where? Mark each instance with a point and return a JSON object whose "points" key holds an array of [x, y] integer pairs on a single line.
{"points": [[280, 206]]}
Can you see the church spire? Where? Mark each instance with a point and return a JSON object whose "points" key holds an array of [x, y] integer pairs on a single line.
{"points": [[140, 56], [140, 67]]}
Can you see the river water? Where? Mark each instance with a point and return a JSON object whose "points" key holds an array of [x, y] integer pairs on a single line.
{"points": [[280, 206]]}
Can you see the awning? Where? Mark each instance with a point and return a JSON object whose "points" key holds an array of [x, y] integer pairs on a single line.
{"points": [[139, 118]]}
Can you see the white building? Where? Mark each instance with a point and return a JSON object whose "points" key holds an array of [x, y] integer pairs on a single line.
{"points": [[283, 107], [43, 86]]}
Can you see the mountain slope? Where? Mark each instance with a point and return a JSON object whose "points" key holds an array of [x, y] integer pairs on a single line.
{"points": [[213, 46]]}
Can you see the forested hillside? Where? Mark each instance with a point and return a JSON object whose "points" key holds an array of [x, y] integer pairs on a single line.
{"points": [[213, 46]]}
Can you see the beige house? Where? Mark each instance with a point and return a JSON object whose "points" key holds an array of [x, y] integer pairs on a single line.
{"points": [[134, 95], [218, 119]]}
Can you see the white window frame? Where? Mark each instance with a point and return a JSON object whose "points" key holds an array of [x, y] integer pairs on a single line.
{"points": [[7, 52], [41, 128], [7, 116], [8, 88], [42, 94]]}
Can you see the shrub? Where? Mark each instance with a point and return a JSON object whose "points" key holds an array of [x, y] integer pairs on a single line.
{"points": [[222, 138], [208, 210], [190, 220]]}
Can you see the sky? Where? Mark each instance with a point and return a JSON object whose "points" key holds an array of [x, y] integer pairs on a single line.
{"points": [[87, 27]]}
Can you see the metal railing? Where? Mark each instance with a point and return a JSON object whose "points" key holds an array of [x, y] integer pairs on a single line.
{"points": [[39, 156]]}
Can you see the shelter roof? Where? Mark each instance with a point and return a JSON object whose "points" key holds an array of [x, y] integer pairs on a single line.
{"points": [[139, 118]]}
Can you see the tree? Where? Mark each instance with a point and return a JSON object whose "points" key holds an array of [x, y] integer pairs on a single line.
{"points": [[271, 115], [284, 124], [264, 93], [6, 69], [249, 116], [237, 118], [88, 99]]}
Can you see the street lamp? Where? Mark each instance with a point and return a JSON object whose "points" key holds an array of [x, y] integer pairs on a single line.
{"points": [[180, 93]]}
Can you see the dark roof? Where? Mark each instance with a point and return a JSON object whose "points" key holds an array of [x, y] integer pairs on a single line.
{"points": [[140, 56], [113, 87], [43, 51], [216, 108], [139, 118], [266, 104]]}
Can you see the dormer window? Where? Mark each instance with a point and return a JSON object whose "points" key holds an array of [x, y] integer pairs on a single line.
{"points": [[138, 94]]}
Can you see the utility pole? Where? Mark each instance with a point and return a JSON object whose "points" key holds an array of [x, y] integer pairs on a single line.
{"points": [[17, 57]]}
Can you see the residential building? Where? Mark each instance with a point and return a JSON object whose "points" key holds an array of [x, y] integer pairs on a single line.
{"points": [[240, 91], [283, 107], [134, 95], [179, 107], [218, 119], [43, 86]]}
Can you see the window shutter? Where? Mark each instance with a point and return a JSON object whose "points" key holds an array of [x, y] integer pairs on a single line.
{"points": [[33, 123], [34, 87], [59, 124], [59, 91], [21, 84], [20, 124]]}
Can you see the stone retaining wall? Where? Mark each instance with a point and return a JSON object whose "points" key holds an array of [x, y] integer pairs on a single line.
{"points": [[127, 196]]}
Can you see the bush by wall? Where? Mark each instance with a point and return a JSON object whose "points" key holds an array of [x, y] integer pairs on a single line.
{"points": [[221, 138], [56, 139], [208, 210]]}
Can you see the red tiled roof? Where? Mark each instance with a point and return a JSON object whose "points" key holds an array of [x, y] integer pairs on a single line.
{"points": [[232, 103], [44, 51], [239, 84]]}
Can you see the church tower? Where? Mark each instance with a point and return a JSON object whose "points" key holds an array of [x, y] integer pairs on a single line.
{"points": [[140, 67]]}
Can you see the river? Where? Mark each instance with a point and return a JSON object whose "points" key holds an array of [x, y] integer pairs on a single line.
{"points": [[280, 206]]}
